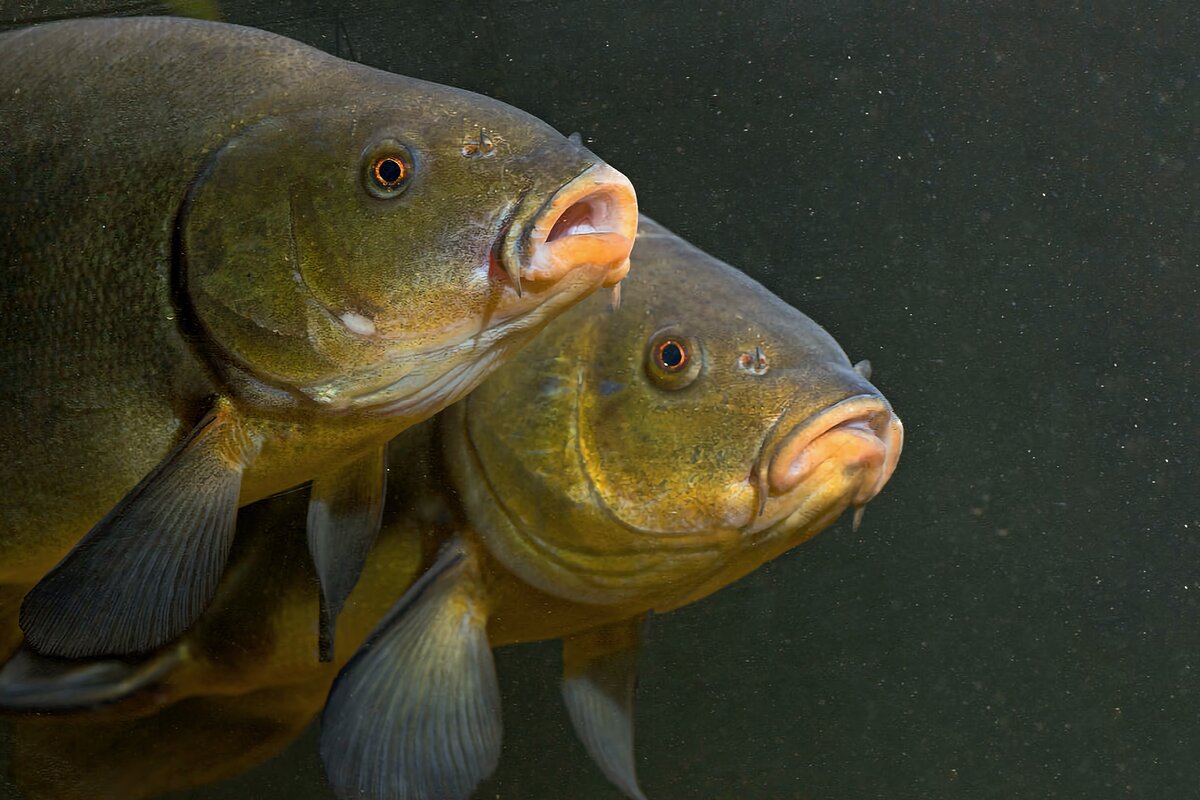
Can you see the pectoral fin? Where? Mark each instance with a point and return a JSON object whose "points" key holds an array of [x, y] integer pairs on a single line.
{"points": [[31, 682], [599, 678], [415, 715], [344, 512], [146, 571]]}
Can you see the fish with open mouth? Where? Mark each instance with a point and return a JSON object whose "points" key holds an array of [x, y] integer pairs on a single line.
{"points": [[233, 264], [624, 464]]}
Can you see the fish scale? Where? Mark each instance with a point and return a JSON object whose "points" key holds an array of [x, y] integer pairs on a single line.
{"points": [[505, 531], [163, 183]]}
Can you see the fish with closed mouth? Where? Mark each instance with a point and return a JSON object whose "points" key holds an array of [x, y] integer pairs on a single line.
{"points": [[233, 264], [625, 463]]}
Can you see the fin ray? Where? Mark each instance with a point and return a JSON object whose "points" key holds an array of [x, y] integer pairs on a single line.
{"points": [[147, 570], [599, 681], [415, 715], [344, 514]]}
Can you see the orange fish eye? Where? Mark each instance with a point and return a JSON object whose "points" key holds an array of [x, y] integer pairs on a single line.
{"points": [[673, 360], [671, 355], [390, 172], [386, 169]]}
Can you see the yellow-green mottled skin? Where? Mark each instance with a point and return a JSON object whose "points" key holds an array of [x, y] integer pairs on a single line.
{"points": [[663, 517], [182, 218], [618, 492]]}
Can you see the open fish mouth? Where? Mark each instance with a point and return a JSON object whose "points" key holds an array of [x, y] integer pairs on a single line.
{"points": [[841, 456], [588, 224]]}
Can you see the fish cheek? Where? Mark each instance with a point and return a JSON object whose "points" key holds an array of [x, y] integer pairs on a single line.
{"points": [[620, 447], [393, 262], [671, 461], [239, 256]]}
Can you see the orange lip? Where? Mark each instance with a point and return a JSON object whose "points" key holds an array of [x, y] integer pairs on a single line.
{"points": [[589, 223], [858, 432]]}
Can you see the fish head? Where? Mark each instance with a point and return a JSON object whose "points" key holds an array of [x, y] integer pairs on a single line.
{"points": [[647, 456], [382, 248]]}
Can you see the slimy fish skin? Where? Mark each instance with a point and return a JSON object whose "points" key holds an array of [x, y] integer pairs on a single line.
{"points": [[624, 464], [233, 264]]}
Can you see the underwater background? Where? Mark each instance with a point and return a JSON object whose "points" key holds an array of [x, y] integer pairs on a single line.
{"points": [[999, 206]]}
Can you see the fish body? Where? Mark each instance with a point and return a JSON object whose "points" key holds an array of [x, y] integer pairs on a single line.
{"points": [[626, 462], [232, 264]]}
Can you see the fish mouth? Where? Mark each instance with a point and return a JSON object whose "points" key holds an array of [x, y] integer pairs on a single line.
{"points": [[588, 225], [839, 457]]}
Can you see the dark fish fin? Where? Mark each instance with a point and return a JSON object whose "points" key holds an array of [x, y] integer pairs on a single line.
{"points": [[416, 712], [149, 568], [599, 679], [31, 682], [344, 512]]}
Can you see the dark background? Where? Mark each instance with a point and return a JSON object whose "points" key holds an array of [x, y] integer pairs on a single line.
{"points": [[998, 206]]}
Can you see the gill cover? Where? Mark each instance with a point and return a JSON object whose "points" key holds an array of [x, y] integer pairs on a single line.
{"points": [[243, 239]]}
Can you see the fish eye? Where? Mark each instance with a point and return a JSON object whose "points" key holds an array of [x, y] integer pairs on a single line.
{"points": [[671, 355], [388, 169], [672, 360]]}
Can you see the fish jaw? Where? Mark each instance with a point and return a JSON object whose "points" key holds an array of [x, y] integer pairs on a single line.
{"points": [[590, 223], [823, 464], [844, 453], [416, 385]]}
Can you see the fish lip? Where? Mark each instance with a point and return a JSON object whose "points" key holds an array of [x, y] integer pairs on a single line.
{"points": [[868, 411], [597, 209]]}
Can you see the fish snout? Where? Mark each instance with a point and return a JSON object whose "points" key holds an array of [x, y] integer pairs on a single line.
{"points": [[859, 434], [590, 222]]}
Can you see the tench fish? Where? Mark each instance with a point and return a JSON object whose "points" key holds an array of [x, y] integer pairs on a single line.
{"points": [[626, 462], [233, 264]]}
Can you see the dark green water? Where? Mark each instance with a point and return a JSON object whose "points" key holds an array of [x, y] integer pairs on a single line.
{"points": [[999, 208]]}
